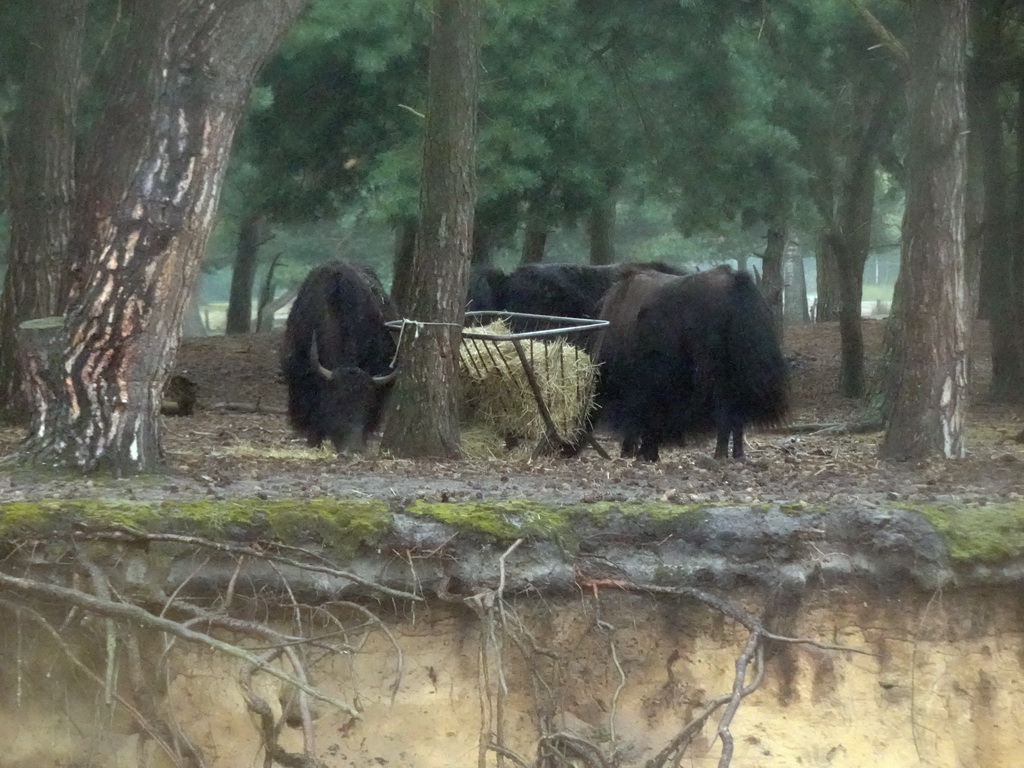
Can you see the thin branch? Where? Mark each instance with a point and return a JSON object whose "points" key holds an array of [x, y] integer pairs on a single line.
{"points": [[133, 613], [583, 748], [675, 748], [738, 693], [144, 725], [887, 38], [506, 752], [122, 533]]}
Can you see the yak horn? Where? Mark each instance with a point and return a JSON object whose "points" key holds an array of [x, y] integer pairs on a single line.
{"points": [[314, 359], [387, 378]]}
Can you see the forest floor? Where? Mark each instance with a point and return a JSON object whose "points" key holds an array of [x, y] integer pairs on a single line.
{"points": [[225, 453]]}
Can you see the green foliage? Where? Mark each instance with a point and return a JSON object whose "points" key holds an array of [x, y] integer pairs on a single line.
{"points": [[726, 114], [328, 104]]}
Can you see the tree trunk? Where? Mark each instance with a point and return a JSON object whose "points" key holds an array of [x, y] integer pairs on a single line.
{"points": [[193, 324], [425, 404], [601, 230], [850, 235], [771, 275], [928, 388], [251, 235], [851, 332], [268, 304], [482, 252], [1002, 262], [535, 236], [826, 307], [405, 250], [41, 184], [147, 194], [1015, 361], [998, 288], [794, 297]]}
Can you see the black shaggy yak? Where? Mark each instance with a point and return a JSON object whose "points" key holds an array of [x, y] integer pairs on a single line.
{"points": [[336, 356], [689, 355], [487, 289], [568, 290]]}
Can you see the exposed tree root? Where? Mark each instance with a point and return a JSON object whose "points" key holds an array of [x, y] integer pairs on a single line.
{"points": [[129, 676], [128, 620]]}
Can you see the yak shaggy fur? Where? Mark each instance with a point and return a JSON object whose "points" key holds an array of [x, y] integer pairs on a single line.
{"points": [[690, 355], [338, 316]]}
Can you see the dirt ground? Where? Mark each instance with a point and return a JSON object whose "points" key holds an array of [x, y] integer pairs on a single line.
{"points": [[221, 452]]}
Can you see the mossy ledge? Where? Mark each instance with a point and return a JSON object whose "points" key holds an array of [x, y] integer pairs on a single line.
{"points": [[340, 525], [648, 543], [992, 533]]}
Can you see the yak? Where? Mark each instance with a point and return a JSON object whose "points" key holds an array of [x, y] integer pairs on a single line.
{"points": [[337, 355], [568, 290], [689, 355], [487, 289]]}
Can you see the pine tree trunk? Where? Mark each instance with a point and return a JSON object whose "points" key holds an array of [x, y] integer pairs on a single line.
{"points": [[402, 260], [997, 256], [851, 331], [771, 275], [243, 275], [148, 191], [535, 236], [928, 388], [601, 231], [483, 248], [826, 307], [41, 183], [423, 421], [795, 286], [850, 235], [1007, 307]]}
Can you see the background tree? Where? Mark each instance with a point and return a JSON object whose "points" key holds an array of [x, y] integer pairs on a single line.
{"points": [[995, 78], [41, 161], [298, 160], [841, 91], [147, 194], [251, 235], [423, 420], [927, 389]]}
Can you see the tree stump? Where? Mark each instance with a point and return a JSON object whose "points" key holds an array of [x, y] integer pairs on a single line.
{"points": [[37, 353]]}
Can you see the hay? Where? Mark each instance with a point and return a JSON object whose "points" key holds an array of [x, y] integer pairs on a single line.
{"points": [[497, 391]]}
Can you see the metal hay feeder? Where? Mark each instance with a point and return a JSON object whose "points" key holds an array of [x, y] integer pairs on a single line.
{"points": [[557, 372]]}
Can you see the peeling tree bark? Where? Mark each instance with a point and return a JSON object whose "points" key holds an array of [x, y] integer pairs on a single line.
{"points": [[147, 194], [928, 385]]}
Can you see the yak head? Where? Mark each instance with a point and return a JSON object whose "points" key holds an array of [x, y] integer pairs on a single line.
{"points": [[350, 403]]}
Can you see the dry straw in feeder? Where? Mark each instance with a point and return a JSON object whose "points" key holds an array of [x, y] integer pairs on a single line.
{"points": [[498, 392]]}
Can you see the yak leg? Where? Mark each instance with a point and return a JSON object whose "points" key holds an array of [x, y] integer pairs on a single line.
{"points": [[649, 442], [353, 441], [722, 444], [737, 440], [730, 425], [649, 450]]}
